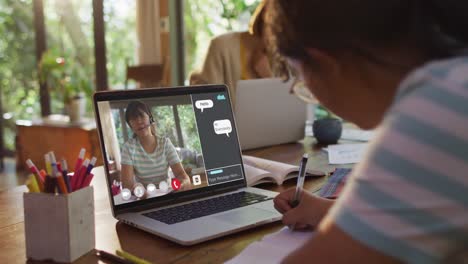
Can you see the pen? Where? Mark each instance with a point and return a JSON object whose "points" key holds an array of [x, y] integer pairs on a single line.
{"points": [[87, 181], [59, 167], [43, 174], [61, 183], [57, 175], [78, 175], [131, 257], [79, 161], [31, 183], [65, 174], [88, 171], [78, 164], [47, 164], [300, 182], [49, 184], [53, 163], [113, 258], [35, 171], [62, 177]]}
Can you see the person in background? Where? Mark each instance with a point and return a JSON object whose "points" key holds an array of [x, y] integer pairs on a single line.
{"points": [[236, 56], [401, 66], [146, 157]]}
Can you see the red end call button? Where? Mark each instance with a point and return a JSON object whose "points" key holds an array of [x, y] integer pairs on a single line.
{"points": [[175, 184]]}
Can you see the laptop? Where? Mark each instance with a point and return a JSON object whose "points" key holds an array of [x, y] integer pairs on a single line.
{"points": [[267, 114], [197, 120]]}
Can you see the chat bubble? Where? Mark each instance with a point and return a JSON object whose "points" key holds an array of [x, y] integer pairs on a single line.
{"points": [[222, 127], [203, 104]]}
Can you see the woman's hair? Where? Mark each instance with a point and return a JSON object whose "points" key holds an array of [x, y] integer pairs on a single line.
{"points": [[136, 109], [257, 22], [438, 28]]}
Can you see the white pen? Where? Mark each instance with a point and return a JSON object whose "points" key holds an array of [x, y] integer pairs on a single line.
{"points": [[300, 180], [300, 183]]}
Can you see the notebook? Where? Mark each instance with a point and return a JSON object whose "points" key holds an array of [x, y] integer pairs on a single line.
{"points": [[272, 248], [267, 114], [196, 137]]}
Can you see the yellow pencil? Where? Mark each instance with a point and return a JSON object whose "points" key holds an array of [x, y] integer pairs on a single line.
{"points": [[131, 257], [48, 165], [32, 185]]}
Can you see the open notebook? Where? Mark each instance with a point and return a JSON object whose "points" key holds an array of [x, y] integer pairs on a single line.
{"points": [[272, 248], [258, 170]]}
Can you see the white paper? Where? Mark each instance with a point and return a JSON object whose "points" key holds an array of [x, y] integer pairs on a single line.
{"points": [[272, 248], [357, 134], [346, 153]]}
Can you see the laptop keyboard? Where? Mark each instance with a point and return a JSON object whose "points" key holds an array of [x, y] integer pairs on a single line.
{"points": [[211, 206]]}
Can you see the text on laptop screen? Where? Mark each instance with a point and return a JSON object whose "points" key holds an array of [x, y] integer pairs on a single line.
{"points": [[164, 145]]}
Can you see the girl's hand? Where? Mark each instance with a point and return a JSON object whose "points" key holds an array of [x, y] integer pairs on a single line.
{"points": [[308, 213], [185, 185]]}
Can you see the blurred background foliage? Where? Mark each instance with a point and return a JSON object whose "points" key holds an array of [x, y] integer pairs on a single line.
{"points": [[69, 34], [18, 83]]}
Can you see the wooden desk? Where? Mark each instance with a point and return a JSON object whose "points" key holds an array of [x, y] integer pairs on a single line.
{"points": [[34, 139], [111, 235]]}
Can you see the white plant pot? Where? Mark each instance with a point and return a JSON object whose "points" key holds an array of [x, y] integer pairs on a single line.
{"points": [[77, 109]]}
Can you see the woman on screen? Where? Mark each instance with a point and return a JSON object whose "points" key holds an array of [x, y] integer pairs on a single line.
{"points": [[146, 157]]}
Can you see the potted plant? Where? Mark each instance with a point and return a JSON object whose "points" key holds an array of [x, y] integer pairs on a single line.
{"points": [[67, 82], [327, 127]]}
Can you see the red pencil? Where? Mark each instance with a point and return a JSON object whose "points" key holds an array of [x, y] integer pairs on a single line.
{"points": [[78, 164], [87, 172], [87, 181], [79, 161], [78, 175], [35, 171]]}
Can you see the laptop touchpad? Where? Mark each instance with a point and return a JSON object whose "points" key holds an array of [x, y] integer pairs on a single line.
{"points": [[245, 216]]}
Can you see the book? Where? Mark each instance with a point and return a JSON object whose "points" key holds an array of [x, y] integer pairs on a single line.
{"points": [[259, 170]]}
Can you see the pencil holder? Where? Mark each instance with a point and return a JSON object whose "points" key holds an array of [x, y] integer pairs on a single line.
{"points": [[59, 227]]}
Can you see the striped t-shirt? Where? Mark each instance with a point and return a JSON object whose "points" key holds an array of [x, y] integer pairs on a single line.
{"points": [[408, 198], [150, 167]]}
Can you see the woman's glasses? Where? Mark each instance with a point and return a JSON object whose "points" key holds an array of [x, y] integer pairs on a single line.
{"points": [[286, 68]]}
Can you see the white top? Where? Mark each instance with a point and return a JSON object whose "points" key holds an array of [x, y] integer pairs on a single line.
{"points": [[150, 167]]}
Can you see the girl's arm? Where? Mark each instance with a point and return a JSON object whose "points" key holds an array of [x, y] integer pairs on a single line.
{"points": [[127, 176]]}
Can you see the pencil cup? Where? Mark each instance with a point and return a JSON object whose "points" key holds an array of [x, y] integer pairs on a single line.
{"points": [[59, 227]]}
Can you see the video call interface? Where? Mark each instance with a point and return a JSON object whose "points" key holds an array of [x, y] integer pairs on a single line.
{"points": [[165, 145]]}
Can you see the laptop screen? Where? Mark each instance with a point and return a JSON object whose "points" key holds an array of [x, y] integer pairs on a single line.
{"points": [[161, 144]]}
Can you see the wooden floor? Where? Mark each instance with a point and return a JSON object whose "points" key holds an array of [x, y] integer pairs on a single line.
{"points": [[9, 177]]}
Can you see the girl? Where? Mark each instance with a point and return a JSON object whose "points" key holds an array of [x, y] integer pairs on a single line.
{"points": [[147, 157], [397, 65]]}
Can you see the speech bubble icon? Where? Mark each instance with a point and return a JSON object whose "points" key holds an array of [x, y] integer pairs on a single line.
{"points": [[222, 127], [203, 104]]}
